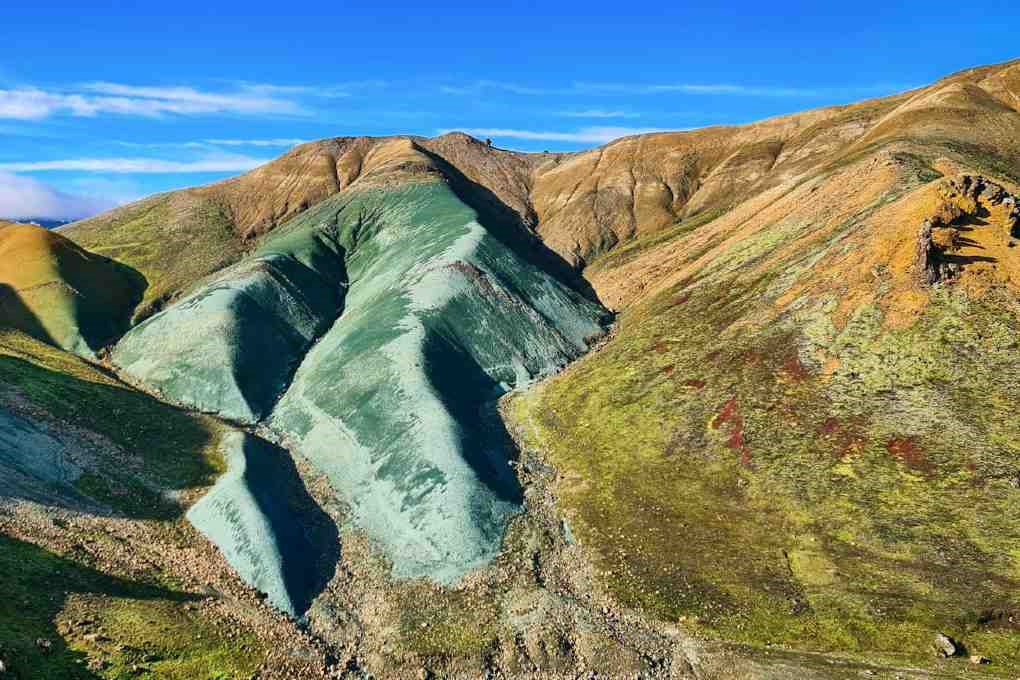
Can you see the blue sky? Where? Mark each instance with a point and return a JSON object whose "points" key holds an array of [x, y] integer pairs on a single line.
{"points": [[101, 103]]}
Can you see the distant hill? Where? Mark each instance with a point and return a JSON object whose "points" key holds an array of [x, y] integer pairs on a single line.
{"points": [[738, 402], [42, 222]]}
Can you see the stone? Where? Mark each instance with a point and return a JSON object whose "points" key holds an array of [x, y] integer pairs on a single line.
{"points": [[979, 660], [945, 646]]}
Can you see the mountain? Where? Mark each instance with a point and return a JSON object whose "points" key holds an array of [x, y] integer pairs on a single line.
{"points": [[729, 403], [53, 289], [48, 223]]}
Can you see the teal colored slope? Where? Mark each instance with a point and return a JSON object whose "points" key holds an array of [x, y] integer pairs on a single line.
{"points": [[394, 398], [268, 528], [231, 347], [34, 464], [395, 403]]}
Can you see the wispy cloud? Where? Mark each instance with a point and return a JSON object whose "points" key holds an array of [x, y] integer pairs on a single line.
{"points": [[92, 99], [704, 89], [208, 143], [478, 86], [586, 135], [255, 142], [597, 113], [717, 89], [27, 197], [138, 165]]}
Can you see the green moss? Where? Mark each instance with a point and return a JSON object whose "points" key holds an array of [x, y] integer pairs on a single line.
{"points": [[720, 478], [29, 604], [173, 240], [174, 449], [88, 616], [164, 639], [446, 623], [632, 249]]}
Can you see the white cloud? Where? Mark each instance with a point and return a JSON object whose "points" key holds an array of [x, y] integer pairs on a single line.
{"points": [[717, 89], [207, 143], [586, 135], [92, 99], [598, 113], [26, 197], [138, 165], [32, 104], [254, 142], [729, 89], [513, 88], [333, 91]]}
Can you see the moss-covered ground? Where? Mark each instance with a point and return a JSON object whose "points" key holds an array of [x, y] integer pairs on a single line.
{"points": [[100, 625], [795, 480], [170, 448], [172, 240]]}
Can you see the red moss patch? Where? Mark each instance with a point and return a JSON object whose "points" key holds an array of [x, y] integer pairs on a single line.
{"points": [[906, 450], [695, 383], [845, 436], [680, 299], [795, 370], [830, 426], [668, 369], [730, 415]]}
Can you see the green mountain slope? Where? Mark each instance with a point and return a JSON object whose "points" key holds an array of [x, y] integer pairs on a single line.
{"points": [[435, 318]]}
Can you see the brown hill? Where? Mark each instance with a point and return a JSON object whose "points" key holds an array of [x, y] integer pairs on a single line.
{"points": [[54, 290]]}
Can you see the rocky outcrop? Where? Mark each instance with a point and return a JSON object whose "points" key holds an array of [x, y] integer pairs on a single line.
{"points": [[940, 238], [930, 263]]}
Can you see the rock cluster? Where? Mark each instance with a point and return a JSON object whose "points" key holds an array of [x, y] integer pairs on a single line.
{"points": [[937, 238]]}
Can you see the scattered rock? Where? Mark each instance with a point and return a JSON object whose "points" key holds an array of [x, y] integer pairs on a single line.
{"points": [[945, 646], [930, 265], [3, 667], [44, 644], [979, 660]]}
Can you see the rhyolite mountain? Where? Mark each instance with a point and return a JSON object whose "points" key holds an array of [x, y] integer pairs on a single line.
{"points": [[738, 402]]}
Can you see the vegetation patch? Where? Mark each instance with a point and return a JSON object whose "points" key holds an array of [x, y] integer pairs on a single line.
{"points": [[60, 618], [755, 496], [166, 447]]}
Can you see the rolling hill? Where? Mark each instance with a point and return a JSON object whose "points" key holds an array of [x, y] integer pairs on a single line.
{"points": [[738, 402]]}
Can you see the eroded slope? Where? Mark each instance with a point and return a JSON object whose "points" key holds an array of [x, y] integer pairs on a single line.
{"points": [[394, 401]]}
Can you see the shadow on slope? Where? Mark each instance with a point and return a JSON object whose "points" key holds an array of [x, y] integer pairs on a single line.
{"points": [[460, 383], [503, 224], [35, 587], [268, 527], [162, 447], [232, 347], [15, 314], [80, 300]]}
